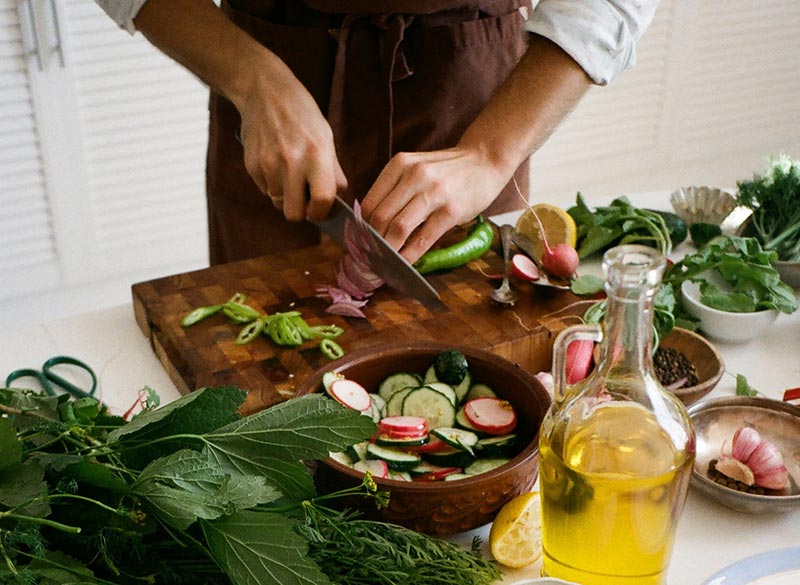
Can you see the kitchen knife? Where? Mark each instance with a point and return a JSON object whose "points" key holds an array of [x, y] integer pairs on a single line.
{"points": [[383, 259]]}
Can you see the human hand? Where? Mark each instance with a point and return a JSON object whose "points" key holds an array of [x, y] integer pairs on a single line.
{"points": [[419, 196], [288, 145]]}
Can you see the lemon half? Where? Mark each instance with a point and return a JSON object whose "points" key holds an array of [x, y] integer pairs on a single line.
{"points": [[515, 538]]}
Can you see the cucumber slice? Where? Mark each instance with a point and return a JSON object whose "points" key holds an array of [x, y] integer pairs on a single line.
{"points": [[503, 446], [430, 376], [457, 476], [329, 378], [386, 441], [341, 457], [458, 438], [358, 452], [394, 406], [445, 389], [463, 388], [399, 475], [480, 390], [397, 382], [484, 465], [463, 422], [377, 406], [424, 468], [396, 459], [432, 405], [450, 458]]}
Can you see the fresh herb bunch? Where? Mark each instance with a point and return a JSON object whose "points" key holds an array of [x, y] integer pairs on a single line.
{"points": [[187, 493], [751, 281], [774, 199], [619, 223]]}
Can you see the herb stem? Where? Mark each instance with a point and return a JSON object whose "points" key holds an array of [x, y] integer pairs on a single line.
{"points": [[42, 521]]}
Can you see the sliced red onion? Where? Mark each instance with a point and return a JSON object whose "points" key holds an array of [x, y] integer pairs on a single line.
{"points": [[346, 310]]}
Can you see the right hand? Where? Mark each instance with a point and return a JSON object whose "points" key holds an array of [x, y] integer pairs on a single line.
{"points": [[288, 144]]}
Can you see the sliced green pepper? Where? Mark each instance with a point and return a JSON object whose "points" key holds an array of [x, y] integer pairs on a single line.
{"points": [[330, 349], [199, 314]]}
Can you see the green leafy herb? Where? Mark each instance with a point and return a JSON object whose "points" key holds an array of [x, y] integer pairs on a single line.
{"points": [[587, 284], [743, 387], [619, 223], [774, 199], [188, 493]]}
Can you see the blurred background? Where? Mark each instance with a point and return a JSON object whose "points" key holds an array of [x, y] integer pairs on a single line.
{"points": [[102, 139]]}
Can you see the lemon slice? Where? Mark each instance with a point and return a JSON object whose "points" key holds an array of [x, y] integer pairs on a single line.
{"points": [[558, 225], [515, 538]]}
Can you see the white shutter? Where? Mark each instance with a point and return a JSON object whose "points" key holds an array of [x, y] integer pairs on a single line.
{"points": [[28, 260], [143, 124]]}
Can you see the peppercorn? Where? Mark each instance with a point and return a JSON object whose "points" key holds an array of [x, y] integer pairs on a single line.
{"points": [[728, 482], [671, 365]]}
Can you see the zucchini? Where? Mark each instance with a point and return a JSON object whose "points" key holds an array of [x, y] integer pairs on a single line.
{"points": [[396, 459], [431, 405], [397, 382]]}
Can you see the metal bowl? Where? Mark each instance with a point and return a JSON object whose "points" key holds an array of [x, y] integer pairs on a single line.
{"points": [[717, 419], [702, 204], [789, 271]]}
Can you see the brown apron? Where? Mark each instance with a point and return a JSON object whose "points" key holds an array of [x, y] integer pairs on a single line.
{"points": [[390, 75]]}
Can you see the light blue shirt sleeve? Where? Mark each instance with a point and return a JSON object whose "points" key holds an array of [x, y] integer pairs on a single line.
{"points": [[600, 35], [122, 11]]}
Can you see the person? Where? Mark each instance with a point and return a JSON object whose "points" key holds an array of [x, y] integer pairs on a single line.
{"points": [[425, 110]]}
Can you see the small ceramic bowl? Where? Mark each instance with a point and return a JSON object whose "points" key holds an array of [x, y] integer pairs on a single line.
{"points": [[706, 359], [443, 507], [789, 271], [702, 204], [716, 420], [725, 325]]}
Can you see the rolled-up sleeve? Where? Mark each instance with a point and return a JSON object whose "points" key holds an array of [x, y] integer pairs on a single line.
{"points": [[600, 35], [122, 11]]}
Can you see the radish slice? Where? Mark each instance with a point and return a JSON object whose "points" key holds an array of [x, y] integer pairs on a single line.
{"points": [[433, 446], [524, 268], [438, 474], [377, 467], [491, 415], [403, 426], [579, 360], [351, 394]]}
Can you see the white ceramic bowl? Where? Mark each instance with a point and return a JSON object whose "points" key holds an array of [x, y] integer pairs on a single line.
{"points": [[725, 325]]}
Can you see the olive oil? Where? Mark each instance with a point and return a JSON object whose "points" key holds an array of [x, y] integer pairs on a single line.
{"points": [[612, 492]]}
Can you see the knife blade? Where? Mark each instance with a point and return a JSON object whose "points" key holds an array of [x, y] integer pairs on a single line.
{"points": [[384, 260]]}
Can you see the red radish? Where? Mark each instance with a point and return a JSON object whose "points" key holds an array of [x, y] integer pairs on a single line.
{"points": [[351, 394], [438, 474], [434, 445], [561, 260], [377, 467], [403, 426], [579, 360], [524, 268], [491, 415]]}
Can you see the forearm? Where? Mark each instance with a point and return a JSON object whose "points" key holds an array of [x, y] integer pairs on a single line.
{"points": [[541, 91], [198, 35]]}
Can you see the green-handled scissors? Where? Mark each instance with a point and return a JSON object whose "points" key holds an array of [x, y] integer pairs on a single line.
{"points": [[48, 379]]}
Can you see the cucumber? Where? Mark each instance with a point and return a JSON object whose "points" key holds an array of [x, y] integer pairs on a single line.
{"points": [[396, 459], [480, 391], [461, 420], [386, 441], [358, 452], [463, 388], [450, 458], [430, 376], [423, 468], [451, 367], [397, 382], [394, 406], [457, 476], [430, 404], [341, 457], [503, 446], [399, 475], [329, 378], [377, 407], [445, 389], [676, 227], [458, 438], [483, 465]]}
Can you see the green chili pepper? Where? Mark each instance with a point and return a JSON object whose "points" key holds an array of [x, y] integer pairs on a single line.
{"points": [[239, 313], [199, 314], [250, 331], [290, 331], [305, 331], [330, 349], [473, 246], [327, 331]]}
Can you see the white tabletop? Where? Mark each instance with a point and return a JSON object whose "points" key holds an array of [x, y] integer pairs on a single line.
{"points": [[710, 537]]}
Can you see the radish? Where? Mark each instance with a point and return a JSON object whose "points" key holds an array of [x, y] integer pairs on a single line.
{"points": [[377, 467], [438, 474], [433, 446], [524, 268], [491, 415], [351, 394], [579, 360], [403, 426], [561, 260]]}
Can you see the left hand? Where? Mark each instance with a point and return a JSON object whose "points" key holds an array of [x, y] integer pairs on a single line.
{"points": [[419, 196]]}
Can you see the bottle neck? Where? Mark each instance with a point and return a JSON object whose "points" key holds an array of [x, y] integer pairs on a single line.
{"points": [[628, 331]]}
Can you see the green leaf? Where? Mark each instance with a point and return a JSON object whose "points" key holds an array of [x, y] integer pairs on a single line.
{"points": [[57, 568], [588, 284], [743, 387], [188, 485], [10, 447], [19, 484], [36, 406], [96, 474], [261, 548]]}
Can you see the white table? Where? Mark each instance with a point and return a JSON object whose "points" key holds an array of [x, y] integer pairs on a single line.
{"points": [[709, 537]]}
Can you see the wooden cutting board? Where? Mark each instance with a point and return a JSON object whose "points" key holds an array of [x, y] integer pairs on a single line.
{"points": [[205, 354]]}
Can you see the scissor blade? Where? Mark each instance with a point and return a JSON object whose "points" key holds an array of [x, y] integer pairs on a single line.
{"points": [[383, 259]]}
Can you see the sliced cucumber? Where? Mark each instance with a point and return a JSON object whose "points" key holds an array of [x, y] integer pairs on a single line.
{"points": [[450, 458], [358, 452], [396, 459], [463, 422], [394, 406], [399, 475], [463, 388], [503, 446], [430, 404], [424, 468], [386, 441], [480, 390], [341, 457], [445, 389], [484, 465], [457, 476], [430, 376], [377, 407], [396, 382], [329, 378], [458, 438]]}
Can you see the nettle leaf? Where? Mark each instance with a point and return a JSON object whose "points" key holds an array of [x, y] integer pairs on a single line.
{"points": [[57, 568], [19, 484], [55, 461], [188, 485], [260, 548], [10, 447], [96, 474], [37, 407]]}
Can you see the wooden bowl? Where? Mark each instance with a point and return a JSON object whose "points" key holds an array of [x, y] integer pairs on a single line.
{"points": [[706, 360], [442, 507]]}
